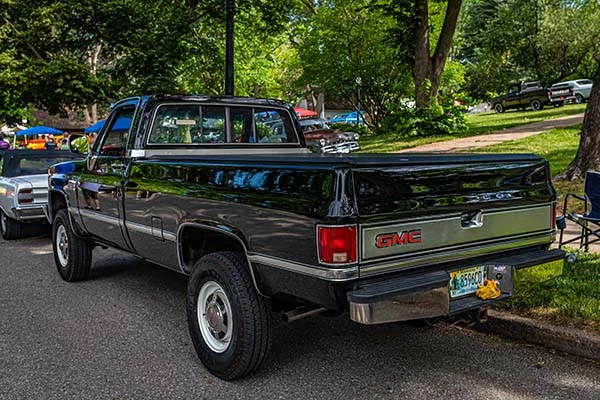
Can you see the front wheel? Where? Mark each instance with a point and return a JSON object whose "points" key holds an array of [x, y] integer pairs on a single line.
{"points": [[229, 322], [578, 98], [536, 105], [10, 228], [499, 108], [72, 254]]}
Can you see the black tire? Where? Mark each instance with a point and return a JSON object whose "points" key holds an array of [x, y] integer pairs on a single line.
{"points": [[536, 105], [72, 254], [10, 228], [232, 336], [499, 108], [579, 98]]}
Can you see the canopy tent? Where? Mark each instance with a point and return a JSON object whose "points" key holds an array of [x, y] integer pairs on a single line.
{"points": [[122, 124], [303, 112], [38, 130]]}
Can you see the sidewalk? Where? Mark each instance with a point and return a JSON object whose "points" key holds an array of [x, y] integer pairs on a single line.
{"points": [[569, 340], [500, 136]]}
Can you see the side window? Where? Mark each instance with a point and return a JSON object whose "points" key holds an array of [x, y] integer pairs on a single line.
{"points": [[513, 89], [176, 124], [183, 124], [213, 125], [273, 126], [114, 141], [241, 125]]}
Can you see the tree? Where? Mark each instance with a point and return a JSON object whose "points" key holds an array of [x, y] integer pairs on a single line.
{"points": [[427, 69], [588, 153], [344, 46], [509, 40]]}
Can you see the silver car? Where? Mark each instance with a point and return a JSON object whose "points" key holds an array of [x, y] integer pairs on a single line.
{"points": [[581, 88], [24, 188]]}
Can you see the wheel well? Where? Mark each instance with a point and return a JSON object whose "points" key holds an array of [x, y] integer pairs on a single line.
{"points": [[196, 242], [56, 201]]}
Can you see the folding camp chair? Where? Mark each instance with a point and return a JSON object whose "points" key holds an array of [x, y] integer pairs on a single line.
{"points": [[589, 221]]}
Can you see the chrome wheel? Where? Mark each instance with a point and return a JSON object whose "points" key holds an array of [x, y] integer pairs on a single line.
{"points": [[215, 316], [62, 245]]}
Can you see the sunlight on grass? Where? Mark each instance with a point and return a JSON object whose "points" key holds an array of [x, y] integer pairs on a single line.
{"points": [[572, 299], [478, 124], [487, 122]]}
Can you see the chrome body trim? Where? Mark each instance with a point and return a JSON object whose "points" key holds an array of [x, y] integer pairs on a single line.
{"points": [[330, 274], [343, 147], [202, 226], [426, 304], [148, 230], [99, 217], [28, 213], [148, 153], [424, 259], [443, 233]]}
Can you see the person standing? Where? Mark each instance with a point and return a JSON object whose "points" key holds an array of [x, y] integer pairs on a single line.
{"points": [[50, 143], [4, 144]]}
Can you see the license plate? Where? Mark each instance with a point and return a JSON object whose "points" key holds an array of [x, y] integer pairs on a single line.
{"points": [[465, 281]]}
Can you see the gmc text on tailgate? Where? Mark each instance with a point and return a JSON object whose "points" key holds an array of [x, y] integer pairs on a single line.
{"points": [[224, 190]]}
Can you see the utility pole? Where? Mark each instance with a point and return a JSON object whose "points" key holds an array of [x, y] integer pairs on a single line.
{"points": [[230, 12]]}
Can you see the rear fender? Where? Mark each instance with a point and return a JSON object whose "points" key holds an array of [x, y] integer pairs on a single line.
{"points": [[195, 240]]}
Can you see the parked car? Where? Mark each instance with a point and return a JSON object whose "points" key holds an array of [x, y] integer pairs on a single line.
{"points": [[24, 188], [321, 138], [521, 95], [577, 90], [348, 118]]}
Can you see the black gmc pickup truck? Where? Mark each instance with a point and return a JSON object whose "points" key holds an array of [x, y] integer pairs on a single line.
{"points": [[223, 189]]}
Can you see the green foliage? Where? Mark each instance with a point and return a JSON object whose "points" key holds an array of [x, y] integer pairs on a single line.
{"points": [[574, 295], [345, 127], [345, 40], [67, 54], [434, 120], [500, 41]]}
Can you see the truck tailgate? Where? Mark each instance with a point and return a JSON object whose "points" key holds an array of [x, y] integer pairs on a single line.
{"points": [[439, 208]]}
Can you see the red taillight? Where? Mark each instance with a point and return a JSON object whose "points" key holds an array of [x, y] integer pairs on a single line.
{"points": [[337, 244], [25, 196]]}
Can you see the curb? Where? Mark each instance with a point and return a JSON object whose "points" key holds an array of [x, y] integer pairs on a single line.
{"points": [[569, 340]]}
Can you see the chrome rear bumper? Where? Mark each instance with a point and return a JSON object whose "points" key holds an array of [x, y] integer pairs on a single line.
{"points": [[427, 295]]}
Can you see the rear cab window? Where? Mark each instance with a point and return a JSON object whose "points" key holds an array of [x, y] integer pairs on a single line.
{"points": [[193, 124]]}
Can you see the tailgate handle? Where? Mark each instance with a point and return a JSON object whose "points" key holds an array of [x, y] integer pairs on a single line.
{"points": [[471, 220]]}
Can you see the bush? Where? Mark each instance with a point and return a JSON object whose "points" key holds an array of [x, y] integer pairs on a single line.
{"points": [[431, 121], [344, 127]]}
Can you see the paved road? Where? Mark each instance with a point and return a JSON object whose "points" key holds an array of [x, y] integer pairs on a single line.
{"points": [[123, 335]]}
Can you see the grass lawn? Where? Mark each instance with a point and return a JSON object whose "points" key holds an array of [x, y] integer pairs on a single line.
{"points": [[490, 121], [573, 298], [478, 124]]}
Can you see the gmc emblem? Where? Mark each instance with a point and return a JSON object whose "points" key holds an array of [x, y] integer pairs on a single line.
{"points": [[384, 240]]}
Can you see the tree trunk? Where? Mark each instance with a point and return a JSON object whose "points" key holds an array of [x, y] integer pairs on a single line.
{"points": [[588, 153], [422, 69], [427, 70]]}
